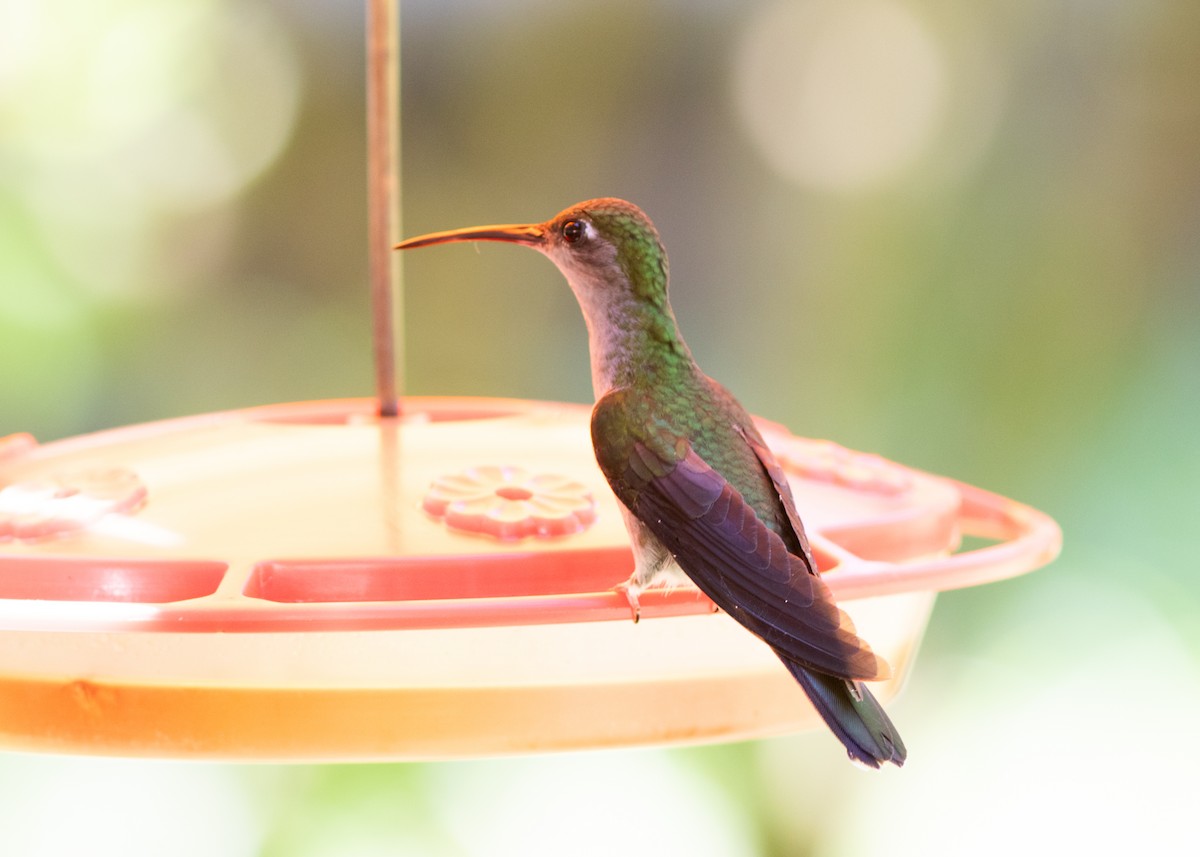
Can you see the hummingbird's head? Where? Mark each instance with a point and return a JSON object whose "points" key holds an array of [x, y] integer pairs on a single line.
{"points": [[611, 255], [608, 244], [606, 248]]}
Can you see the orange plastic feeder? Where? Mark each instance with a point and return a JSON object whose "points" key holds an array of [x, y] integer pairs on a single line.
{"points": [[309, 581], [328, 580]]}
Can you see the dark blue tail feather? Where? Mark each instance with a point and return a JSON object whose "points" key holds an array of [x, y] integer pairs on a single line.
{"points": [[854, 716]]}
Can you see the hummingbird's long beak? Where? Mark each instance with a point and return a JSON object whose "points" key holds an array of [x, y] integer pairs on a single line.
{"points": [[531, 235]]}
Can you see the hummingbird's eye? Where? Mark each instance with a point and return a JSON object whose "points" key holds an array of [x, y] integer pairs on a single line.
{"points": [[572, 231]]}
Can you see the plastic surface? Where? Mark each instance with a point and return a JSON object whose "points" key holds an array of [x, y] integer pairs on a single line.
{"points": [[289, 582]]}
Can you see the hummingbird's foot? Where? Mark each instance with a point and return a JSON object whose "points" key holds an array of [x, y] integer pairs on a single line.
{"points": [[631, 590]]}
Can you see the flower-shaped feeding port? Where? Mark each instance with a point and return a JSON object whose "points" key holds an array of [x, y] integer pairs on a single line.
{"points": [[510, 503], [63, 504]]}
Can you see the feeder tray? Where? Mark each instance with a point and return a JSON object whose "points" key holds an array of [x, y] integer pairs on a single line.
{"points": [[312, 582]]}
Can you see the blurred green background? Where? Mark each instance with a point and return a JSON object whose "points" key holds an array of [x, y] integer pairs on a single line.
{"points": [[961, 236]]}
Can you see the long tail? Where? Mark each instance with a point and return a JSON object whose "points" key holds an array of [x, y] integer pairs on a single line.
{"points": [[854, 715]]}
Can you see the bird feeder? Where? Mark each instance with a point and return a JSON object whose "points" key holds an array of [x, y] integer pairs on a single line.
{"points": [[427, 578]]}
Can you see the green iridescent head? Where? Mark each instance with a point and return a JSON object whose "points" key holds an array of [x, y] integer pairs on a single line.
{"points": [[611, 255], [589, 239], [599, 245]]}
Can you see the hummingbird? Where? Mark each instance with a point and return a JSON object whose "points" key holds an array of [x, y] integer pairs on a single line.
{"points": [[700, 491]]}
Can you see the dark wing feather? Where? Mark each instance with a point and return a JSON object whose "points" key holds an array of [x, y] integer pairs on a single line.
{"points": [[782, 488], [729, 553], [747, 570]]}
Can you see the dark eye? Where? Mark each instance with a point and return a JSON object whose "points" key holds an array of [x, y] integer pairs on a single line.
{"points": [[572, 231]]}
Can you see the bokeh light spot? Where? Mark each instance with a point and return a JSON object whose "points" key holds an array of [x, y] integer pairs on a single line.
{"points": [[129, 113], [839, 96]]}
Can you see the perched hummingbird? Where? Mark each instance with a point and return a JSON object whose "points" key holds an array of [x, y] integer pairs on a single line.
{"points": [[700, 490]]}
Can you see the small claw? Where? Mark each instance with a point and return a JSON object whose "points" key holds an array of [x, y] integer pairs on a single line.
{"points": [[631, 591]]}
